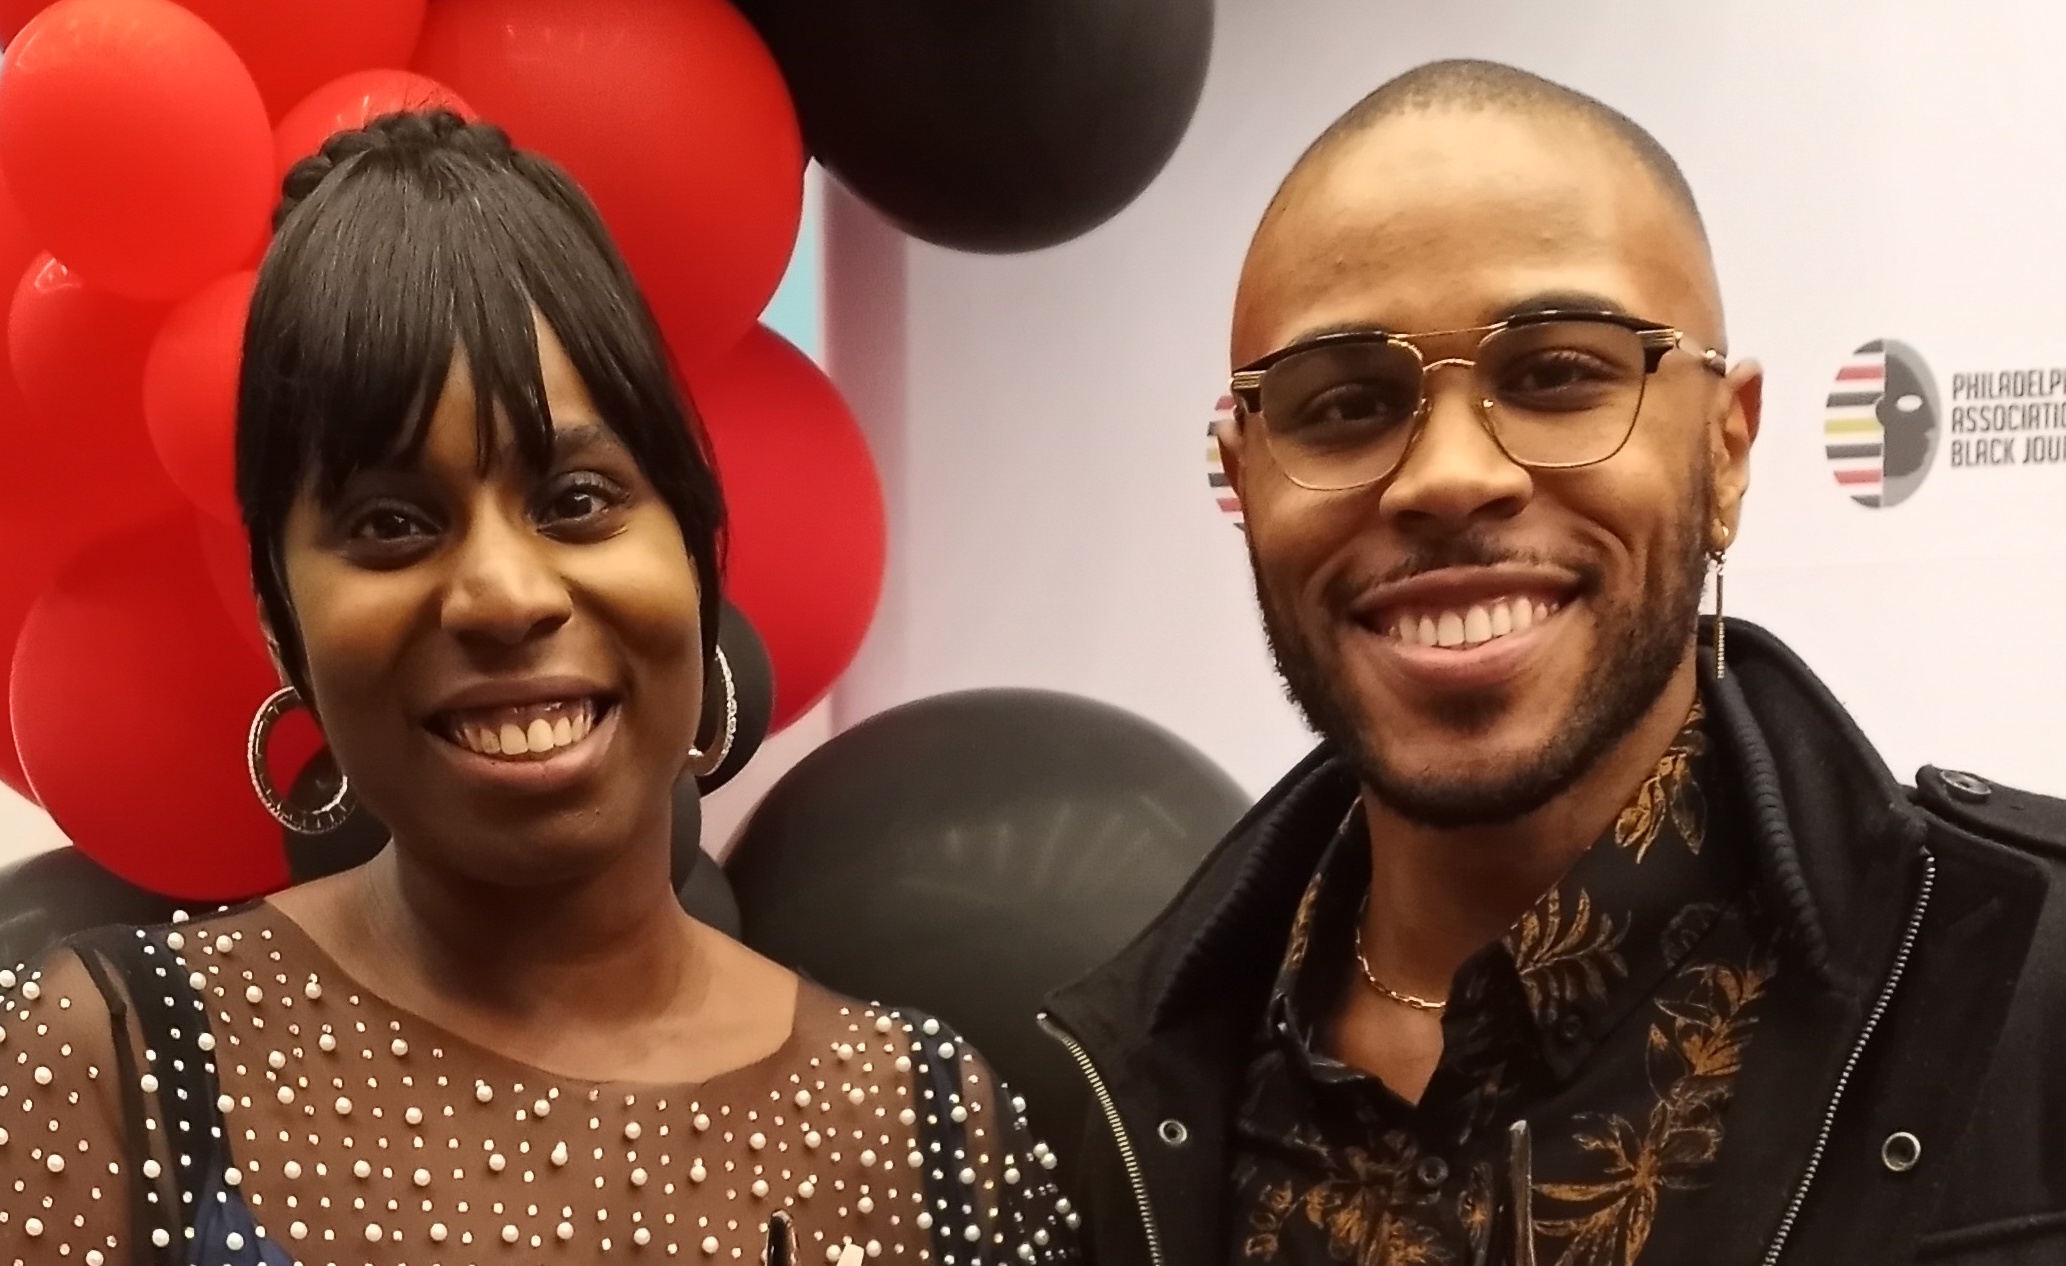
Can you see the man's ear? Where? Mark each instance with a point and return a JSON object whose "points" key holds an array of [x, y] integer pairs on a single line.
{"points": [[1232, 435], [1730, 441]]}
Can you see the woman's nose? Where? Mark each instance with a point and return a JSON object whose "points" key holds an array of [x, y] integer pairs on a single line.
{"points": [[505, 588]]}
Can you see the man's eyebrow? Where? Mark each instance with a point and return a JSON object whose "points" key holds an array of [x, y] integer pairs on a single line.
{"points": [[1548, 301]]}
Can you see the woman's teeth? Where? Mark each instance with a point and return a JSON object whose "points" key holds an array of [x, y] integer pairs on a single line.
{"points": [[1473, 625], [533, 731]]}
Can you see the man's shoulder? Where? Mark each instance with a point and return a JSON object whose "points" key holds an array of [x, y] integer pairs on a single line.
{"points": [[2027, 821]]}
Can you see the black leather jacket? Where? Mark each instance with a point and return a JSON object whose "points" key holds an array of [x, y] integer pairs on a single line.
{"points": [[1926, 930]]}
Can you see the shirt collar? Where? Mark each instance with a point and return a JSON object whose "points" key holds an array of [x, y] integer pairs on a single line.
{"points": [[1569, 968]]}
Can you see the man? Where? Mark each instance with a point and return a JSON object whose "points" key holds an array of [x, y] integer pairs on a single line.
{"points": [[1594, 933]]}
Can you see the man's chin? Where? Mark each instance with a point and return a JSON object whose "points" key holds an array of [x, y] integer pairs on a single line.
{"points": [[1489, 791]]}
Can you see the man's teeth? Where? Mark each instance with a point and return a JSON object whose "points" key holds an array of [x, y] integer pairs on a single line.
{"points": [[1473, 625], [534, 730]]}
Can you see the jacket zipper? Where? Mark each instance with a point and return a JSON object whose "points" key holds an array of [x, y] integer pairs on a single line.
{"points": [[1880, 1007], [1127, 1156]]}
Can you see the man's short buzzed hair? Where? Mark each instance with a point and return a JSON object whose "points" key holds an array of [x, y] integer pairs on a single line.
{"points": [[1480, 85]]}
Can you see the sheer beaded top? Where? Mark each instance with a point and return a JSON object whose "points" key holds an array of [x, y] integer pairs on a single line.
{"points": [[351, 1131]]}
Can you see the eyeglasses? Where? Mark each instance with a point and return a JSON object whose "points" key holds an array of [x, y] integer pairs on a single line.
{"points": [[1555, 390]]}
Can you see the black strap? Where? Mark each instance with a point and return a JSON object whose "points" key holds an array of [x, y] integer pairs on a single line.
{"points": [[135, 1135], [171, 1018]]}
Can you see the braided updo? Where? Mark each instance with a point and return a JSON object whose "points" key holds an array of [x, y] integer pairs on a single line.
{"points": [[405, 242]]}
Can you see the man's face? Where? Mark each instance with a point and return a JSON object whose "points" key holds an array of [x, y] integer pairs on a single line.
{"points": [[1575, 591]]}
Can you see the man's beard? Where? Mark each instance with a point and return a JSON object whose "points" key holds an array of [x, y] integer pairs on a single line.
{"points": [[1639, 646]]}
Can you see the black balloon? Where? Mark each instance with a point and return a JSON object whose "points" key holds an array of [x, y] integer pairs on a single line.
{"points": [[966, 854], [1004, 125], [49, 896]]}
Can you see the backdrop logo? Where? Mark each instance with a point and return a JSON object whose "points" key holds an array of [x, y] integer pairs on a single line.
{"points": [[1215, 476], [1880, 426]]}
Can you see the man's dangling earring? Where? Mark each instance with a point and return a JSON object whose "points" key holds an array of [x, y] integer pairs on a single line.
{"points": [[1719, 557]]}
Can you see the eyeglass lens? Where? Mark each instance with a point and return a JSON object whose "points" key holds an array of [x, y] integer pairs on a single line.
{"points": [[1555, 393]]}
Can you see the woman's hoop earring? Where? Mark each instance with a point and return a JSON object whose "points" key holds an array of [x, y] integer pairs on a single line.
{"points": [[703, 764], [317, 821]]}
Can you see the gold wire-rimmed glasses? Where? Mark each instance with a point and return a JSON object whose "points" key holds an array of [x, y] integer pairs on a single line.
{"points": [[1554, 389]]}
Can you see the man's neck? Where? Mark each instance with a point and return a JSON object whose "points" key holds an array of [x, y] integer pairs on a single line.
{"points": [[1438, 896]]}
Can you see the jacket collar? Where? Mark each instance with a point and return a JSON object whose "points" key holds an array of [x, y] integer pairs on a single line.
{"points": [[1807, 772]]}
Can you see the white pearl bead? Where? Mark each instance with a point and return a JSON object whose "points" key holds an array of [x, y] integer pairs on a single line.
{"points": [[149, 1082], [286, 1094], [760, 1188], [399, 1047], [509, 1235], [276, 1061], [868, 1158], [638, 1177], [233, 1241], [710, 1244], [161, 1237], [806, 1189], [312, 991], [857, 1096], [297, 1230], [702, 1122], [437, 1233], [223, 944], [232, 1176], [413, 1116], [697, 1173], [362, 1169], [42, 1075], [343, 1106], [292, 1169], [642, 1237], [254, 995], [373, 1233], [497, 1162], [327, 1043], [813, 1138], [205, 1041], [756, 1141], [31, 991], [632, 1130], [803, 1098], [54, 1163], [94, 1257], [33, 1227], [174, 941], [541, 1107], [421, 1178], [151, 1168], [224, 1104], [483, 1092], [559, 1153], [565, 1231]]}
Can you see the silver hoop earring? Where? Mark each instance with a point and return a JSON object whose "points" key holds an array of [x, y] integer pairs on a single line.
{"points": [[703, 764], [316, 821]]}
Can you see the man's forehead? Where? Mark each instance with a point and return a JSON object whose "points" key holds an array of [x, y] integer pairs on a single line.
{"points": [[1451, 218]]}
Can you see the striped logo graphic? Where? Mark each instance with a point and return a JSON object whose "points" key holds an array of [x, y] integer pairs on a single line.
{"points": [[1215, 474], [1879, 427]]}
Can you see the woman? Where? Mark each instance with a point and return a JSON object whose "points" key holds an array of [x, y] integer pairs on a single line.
{"points": [[485, 544]]}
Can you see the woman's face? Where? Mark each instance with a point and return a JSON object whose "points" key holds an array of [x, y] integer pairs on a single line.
{"points": [[508, 667]]}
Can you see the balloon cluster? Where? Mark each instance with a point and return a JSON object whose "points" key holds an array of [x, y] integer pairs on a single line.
{"points": [[142, 145]]}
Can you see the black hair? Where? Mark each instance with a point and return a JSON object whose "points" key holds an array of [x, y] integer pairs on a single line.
{"points": [[402, 242], [1468, 84]]}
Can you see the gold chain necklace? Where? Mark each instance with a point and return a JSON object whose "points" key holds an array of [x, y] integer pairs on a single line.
{"points": [[1403, 999]]}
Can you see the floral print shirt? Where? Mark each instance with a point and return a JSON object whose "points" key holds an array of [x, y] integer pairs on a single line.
{"points": [[1613, 1017]]}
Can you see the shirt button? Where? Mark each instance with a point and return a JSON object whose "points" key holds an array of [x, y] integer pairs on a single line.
{"points": [[1571, 1027], [1432, 1172]]}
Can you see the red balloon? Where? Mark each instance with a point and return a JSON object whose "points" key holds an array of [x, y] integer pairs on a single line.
{"points": [[806, 538], [135, 144], [350, 102], [293, 47], [78, 355], [190, 393], [131, 698], [674, 118], [227, 553]]}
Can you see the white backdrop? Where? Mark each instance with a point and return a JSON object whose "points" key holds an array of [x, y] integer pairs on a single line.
{"points": [[1867, 170]]}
